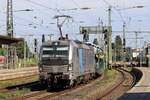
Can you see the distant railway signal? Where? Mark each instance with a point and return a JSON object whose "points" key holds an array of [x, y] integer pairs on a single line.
{"points": [[43, 38], [105, 36], [35, 45], [85, 35]]}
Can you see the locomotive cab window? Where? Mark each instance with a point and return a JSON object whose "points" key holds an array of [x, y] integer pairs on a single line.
{"points": [[48, 51], [62, 51], [55, 51]]}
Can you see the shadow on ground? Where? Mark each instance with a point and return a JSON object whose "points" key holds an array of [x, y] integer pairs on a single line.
{"points": [[135, 96]]}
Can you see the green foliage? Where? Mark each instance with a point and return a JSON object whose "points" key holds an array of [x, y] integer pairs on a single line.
{"points": [[101, 83], [128, 53], [20, 50], [110, 78], [110, 75], [84, 94], [7, 95], [118, 47], [2, 52], [16, 82], [95, 41]]}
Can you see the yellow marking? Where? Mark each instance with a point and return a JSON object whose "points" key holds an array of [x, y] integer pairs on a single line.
{"points": [[148, 55], [101, 56]]}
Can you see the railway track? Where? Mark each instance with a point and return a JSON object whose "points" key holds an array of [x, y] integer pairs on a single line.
{"points": [[33, 86], [49, 95], [13, 74], [18, 78], [70, 90], [13, 87], [123, 73], [44, 94], [28, 96], [134, 77], [19, 86]]}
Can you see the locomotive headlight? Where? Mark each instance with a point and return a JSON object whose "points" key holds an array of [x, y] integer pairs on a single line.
{"points": [[40, 66], [70, 67], [56, 43], [40, 69]]}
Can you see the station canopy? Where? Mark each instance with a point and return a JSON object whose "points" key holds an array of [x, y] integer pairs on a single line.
{"points": [[8, 40]]}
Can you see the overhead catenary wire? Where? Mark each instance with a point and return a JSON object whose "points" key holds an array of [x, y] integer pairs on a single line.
{"points": [[41, 5], [37, 9], [76, 3]]}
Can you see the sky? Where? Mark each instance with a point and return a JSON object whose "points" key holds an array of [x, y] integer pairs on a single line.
{"points": [[41, 19]]}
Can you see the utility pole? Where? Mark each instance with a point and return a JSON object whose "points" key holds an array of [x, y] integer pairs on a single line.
{"points": [[25, 49], [36, 51], [136, 36], [100, 24], [124, 45], [109, 48], [11, 50], [9, 18], [109, 16]]}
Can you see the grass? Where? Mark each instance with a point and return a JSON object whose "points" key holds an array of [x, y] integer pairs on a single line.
{"points": [[110, 78], [127, 81], [27, 64], [110, 75], [101, 83], [129, 68], [16, 82], [84, 94], [7, 95], [20, 65]]}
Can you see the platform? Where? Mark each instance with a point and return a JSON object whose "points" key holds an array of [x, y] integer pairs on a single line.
{"points": [[141, 91]]}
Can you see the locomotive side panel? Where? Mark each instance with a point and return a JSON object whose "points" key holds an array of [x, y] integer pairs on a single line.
{"points": [[75, 60], [88, 61]]}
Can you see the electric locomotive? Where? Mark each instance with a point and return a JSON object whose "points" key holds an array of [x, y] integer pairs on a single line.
{"points": [[64, 63]]}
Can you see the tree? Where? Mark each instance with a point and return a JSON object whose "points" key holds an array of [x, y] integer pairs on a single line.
{"points": [[2, 52], [118, 45], [95, 41], [128, 53], [20, 49]]}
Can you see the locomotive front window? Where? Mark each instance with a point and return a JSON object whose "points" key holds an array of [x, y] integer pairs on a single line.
{"points": [[48, 52], [62, 51], [55, 51]]}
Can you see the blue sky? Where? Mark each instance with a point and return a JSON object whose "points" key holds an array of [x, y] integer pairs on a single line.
{"points": [[38, 21]]}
